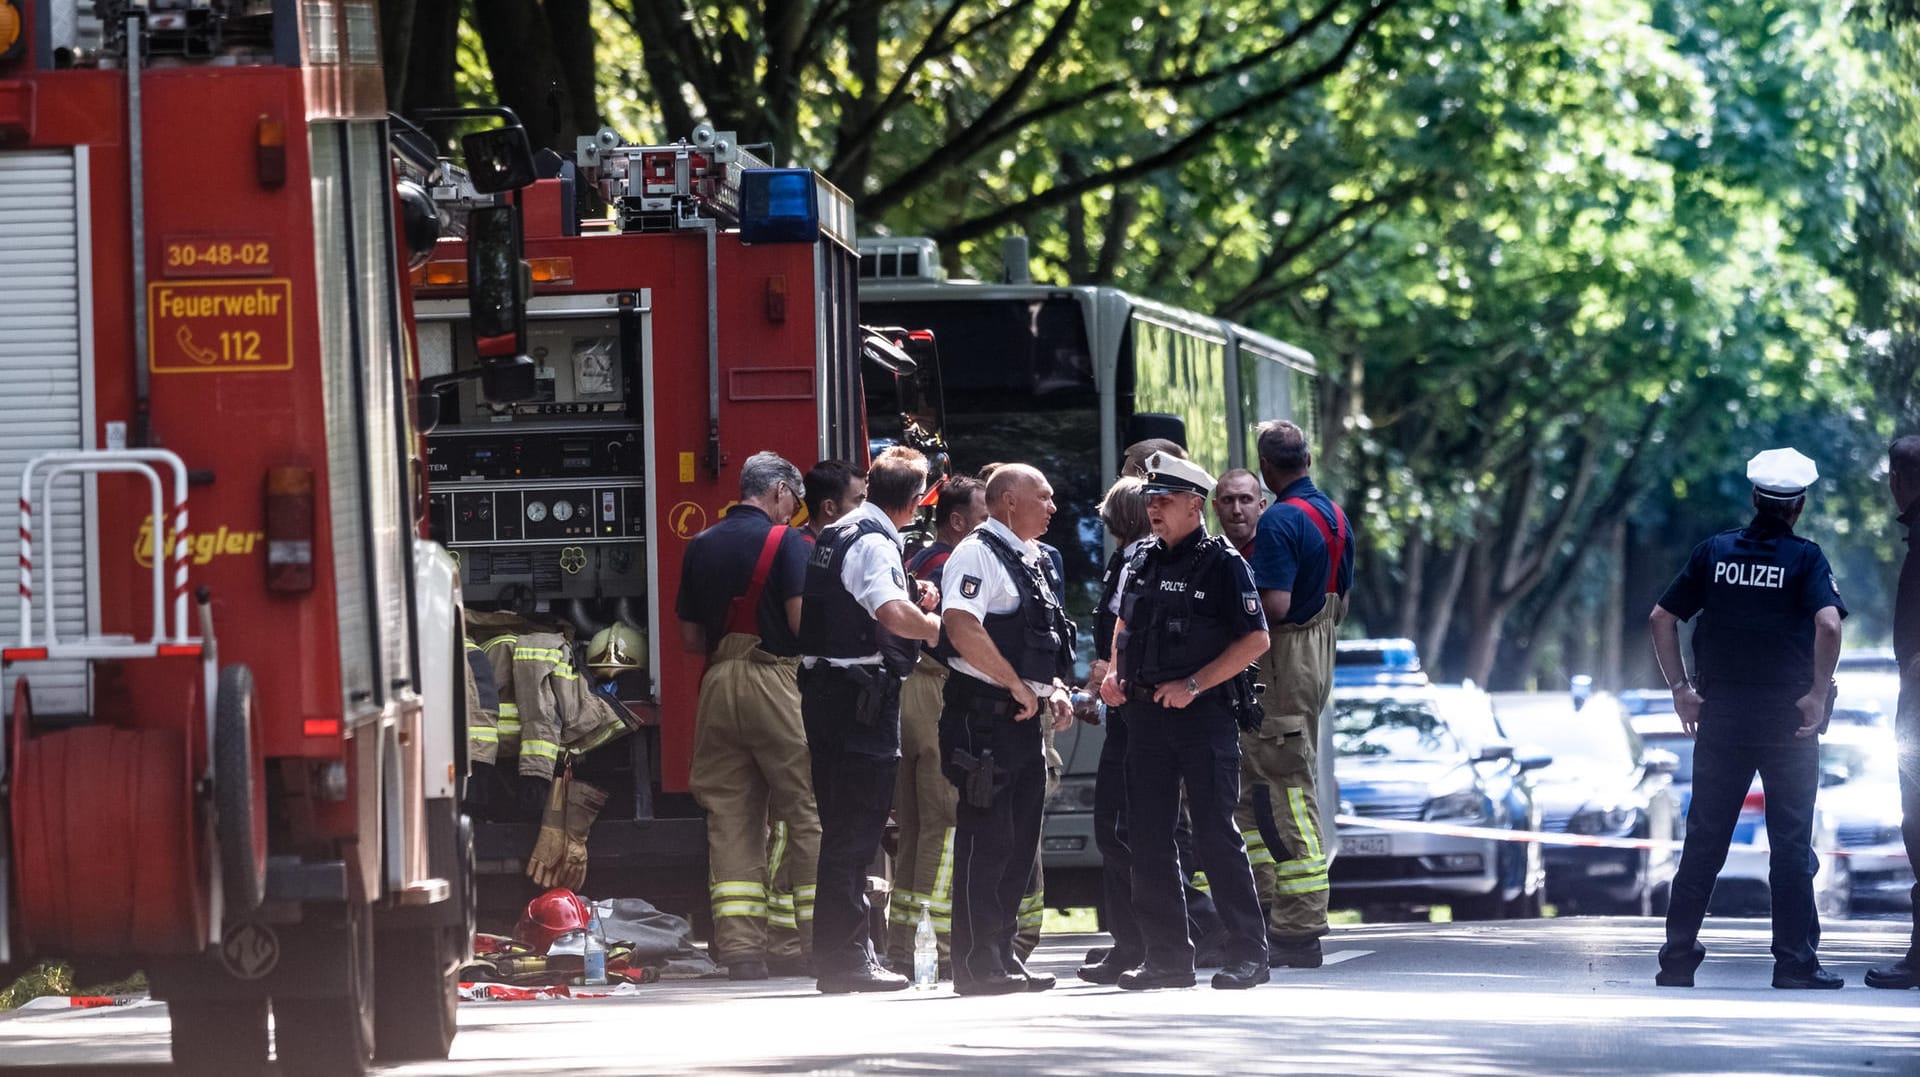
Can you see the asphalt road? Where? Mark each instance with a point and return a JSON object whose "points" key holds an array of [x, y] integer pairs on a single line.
{"points": [[1570, 996]]}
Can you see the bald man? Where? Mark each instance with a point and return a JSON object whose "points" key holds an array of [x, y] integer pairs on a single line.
{"points": [[1011, 651]]}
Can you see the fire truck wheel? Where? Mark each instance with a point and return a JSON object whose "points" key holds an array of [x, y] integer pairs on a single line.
{"points": [[219, 1037], [239, 793], [416, 992], [332, 1037]]}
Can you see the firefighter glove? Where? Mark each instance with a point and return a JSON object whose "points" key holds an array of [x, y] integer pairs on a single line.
{"points": [[560, 854]]}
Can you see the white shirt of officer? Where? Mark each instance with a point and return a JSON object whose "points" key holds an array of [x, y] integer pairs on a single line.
{"points": [[976, 581], [871, 572]]}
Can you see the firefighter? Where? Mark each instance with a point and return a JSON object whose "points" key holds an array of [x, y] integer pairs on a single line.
{"points": [[860, 621], [1012, 647], [1303, 564], [923, 799], [739, 604]]}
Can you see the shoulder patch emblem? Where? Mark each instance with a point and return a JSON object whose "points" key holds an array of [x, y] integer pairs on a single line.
{"points": [[899, 580], [1833, 582], [1252, 604], [969, 587]]}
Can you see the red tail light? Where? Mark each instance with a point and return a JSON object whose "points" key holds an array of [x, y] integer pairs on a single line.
{"points": [[290, 529]]}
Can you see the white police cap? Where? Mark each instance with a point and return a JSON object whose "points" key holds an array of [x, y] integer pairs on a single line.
{"points": [[1168, 474], [1781, 472]]}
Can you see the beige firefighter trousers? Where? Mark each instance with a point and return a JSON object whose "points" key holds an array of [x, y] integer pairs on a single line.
{"points": [[1298, 672], [923, 807], [751, 770]]}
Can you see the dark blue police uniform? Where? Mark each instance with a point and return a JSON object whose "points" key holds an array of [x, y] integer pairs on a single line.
{"points": [[1182, 607], [998, 763], [852, 718], [1756, 591]]}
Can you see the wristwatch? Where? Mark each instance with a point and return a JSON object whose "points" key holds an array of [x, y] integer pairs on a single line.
{"points": [[1193, 687]]}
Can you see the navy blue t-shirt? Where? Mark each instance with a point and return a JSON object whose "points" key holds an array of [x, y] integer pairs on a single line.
{"points": [[1755, 590], [1289, 554], [719, 566]]}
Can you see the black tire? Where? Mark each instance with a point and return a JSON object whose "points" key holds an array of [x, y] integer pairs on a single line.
{"points": [[225, 1038], [416, 988], [1527, 906], [239, 791], [1487, 906], [331, 1037]]}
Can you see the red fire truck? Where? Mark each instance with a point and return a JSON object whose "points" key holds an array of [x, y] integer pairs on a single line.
{"points": [[701, 309], [232, 734]]}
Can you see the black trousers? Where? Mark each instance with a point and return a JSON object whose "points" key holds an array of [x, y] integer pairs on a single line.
{"points": [[854, 764], [995, 846], [1722, 774], [1116, 856], [1906, 733], [1200, 748]]}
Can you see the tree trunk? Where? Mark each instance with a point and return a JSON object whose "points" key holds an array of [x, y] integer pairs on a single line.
{"points": [[571, 22], [1613, 609], [857, 107], [526, 70], [1440, 617], [428, 82], [785, 25], [1413, 565], [396, 46]]}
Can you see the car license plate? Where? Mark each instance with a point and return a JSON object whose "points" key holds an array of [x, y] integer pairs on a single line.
{"points": [[1366, 845]]}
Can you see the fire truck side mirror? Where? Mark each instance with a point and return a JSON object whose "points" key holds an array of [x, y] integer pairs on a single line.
{"points": [[498, 159], [498, 284]]}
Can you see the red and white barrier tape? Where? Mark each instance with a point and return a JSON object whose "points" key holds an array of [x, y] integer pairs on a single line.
{"points": [[1537, 837]]}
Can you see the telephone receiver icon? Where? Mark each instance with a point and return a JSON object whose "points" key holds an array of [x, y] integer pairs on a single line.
{"points": [[204, 356]]}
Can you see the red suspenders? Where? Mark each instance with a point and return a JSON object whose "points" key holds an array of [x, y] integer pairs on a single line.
{"points": [[1335, 537]]}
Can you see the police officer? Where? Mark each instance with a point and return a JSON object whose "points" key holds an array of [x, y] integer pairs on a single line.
{"points": [[923, 799], [1303, 563], [1764, 652], [1903, 482], [858, 627], [1190, 622], [739, 606], [1012, 647]]}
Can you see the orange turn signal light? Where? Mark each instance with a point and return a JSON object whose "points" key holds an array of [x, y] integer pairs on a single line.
{"points": [[441, 274], [13, 38], [551, 270]]}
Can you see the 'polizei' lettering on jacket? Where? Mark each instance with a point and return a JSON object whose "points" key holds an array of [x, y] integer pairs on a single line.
{"points": [[1742, 574]]}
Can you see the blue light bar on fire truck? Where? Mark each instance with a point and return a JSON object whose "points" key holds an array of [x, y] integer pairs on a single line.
{"points": [[779, 205]]}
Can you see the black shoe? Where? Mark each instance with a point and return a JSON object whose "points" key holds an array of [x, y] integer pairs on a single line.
{"points": [[1105, 971], [789, 965], [1678, 962], [1098, 954], [1003, 984], [1898, 975], [1674, 978], [1294, 954], [1817, 980], [1241, 975], [746, 968], [1152, 979], [870, 978], [1036, 981]]}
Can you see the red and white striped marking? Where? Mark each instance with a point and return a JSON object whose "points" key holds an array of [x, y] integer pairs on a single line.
{"points": [[1537, 837]]}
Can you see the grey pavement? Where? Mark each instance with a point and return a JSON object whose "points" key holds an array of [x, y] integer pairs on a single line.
{"points": [[1572, 996]]}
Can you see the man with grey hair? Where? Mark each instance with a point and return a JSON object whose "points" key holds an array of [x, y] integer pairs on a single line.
{"points": [[739, 606]]}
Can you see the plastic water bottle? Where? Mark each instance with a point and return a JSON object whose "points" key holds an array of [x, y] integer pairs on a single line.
{"points": [[595, 972], [926, 952]]}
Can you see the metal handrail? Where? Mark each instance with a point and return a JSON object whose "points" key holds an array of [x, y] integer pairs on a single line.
{"points": [[110, 461]]}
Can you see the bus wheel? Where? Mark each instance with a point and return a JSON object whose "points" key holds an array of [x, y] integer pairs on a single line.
{"points": [[219, 1037], [331, 1037], [416, 992]]}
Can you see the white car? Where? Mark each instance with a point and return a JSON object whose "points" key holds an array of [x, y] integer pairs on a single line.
{"points": [[1861, 791], [1742, 888]]}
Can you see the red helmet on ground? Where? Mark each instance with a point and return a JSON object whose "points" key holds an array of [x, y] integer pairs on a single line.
{"points": [[550, 916]]}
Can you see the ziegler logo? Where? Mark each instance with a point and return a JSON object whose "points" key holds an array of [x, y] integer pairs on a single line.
{"points": [[202, 546]]}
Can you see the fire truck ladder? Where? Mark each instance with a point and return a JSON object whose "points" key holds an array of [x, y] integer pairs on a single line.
{"points": [[167, 522]]}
